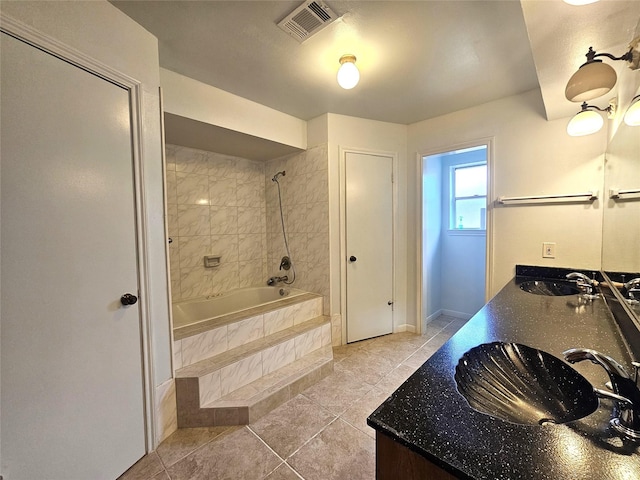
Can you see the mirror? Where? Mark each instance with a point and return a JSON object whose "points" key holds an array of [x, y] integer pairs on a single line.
{"points": [[621, 216]]}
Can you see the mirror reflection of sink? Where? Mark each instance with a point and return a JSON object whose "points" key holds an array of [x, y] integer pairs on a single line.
{"points": [[551, 288], [520, 384]]}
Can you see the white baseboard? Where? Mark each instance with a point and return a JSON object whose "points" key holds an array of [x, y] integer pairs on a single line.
{"points": [[435, 315], [405, 327]]}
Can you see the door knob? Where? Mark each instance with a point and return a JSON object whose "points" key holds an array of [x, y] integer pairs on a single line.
{"points": [[352, 258], [128, 299]]}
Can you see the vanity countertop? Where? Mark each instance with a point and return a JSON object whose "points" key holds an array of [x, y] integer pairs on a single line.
{"points": [[427, 414]]}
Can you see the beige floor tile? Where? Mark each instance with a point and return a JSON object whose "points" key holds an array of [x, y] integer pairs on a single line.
{"points": [[161, 476], [339, 452], [395, 378], [289, 426], [442, 321], [394, 352], [338, 391], [283, 472], [184, 441], [358, 413], [319, 446], [344, 351], [431, 331], [234, 454], [412, 340], [422, 355], [369, 366], [146, 468]]}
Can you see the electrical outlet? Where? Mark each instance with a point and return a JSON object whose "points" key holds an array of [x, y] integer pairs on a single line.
{"points": [[548, 250]]}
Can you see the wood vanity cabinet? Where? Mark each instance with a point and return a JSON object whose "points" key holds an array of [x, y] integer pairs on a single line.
{"points": [[394, 461]]}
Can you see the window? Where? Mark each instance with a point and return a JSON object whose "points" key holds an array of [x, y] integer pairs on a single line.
{"points": [[469, 196]]}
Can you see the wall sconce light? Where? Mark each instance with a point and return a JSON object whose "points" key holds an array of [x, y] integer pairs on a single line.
{"points": [[348, 75], [632, 115], [594, 78], [588, 121]]}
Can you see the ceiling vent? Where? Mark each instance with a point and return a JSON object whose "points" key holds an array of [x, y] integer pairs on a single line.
{"points": [[307, 20]]}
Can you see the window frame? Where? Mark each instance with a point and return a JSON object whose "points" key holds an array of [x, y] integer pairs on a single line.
{"points": [[453, 199]]}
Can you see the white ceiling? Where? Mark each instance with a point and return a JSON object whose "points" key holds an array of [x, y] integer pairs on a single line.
{"points": [[418, 59]]}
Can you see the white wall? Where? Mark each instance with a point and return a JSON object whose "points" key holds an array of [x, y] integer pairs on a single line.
{"points": [[431, 227], [192, 99], [462, 276], [532, 156], [369, 135], [103, 32]]}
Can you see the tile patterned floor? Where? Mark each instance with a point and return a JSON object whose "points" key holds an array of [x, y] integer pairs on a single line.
{"points": [[319, 435]]}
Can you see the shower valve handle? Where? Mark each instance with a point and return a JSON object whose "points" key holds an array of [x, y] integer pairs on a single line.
{"points": [[352, 258]]}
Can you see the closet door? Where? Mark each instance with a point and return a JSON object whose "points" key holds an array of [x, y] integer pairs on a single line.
{"points": [[369, 243], [72, 379]]}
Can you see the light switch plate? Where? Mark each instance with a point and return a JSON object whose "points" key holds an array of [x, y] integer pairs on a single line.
{"points": [[548, 250]]}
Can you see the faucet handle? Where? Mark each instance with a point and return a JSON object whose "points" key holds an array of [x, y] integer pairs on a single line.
{"points": [[634, 282], [636, 369]]}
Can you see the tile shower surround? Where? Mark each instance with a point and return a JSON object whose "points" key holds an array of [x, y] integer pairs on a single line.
{"points": [[228, 206]]}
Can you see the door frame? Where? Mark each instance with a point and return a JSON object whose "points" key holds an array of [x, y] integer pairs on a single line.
{"points": [[343, 151], [489, 143], [52, 46]]}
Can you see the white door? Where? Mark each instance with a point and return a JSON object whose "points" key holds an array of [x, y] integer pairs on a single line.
{"points": [[369, 245], [72, 381]]}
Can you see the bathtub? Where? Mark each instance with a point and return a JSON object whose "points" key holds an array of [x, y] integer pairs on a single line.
{"points": [[209, 309]]}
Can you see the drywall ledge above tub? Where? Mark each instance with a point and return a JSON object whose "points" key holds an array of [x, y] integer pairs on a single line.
{"points": [[224, 112], [204, 136]]}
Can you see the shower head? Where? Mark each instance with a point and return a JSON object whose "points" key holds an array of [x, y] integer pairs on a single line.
{"points": [[279, 174]]}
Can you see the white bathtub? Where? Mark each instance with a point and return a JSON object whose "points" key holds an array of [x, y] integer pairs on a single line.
{"points": [[190, 312]]}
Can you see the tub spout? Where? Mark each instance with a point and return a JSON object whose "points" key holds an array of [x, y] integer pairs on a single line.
{"points": [[275, 280]]}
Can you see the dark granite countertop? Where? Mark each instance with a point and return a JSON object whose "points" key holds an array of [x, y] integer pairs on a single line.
{"points": [[429, 416]]}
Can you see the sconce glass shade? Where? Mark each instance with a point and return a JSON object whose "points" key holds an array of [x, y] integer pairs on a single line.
{"points": [[632, 115], [348, 75], [592, 80], [585, 123]]}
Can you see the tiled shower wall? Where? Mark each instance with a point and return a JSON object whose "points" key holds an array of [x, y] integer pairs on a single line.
{"points": [[228, 206], [216, 206], [305, 202]]}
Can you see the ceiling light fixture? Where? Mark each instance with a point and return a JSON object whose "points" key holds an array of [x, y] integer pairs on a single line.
{"points": [[580, 2], [348, 75], [632, 115], [588, 121], [594, 78]]}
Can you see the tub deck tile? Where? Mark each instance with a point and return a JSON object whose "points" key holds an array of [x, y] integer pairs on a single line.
{"points": [[181, 332]]}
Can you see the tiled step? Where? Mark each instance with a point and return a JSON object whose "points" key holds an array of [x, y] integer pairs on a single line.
{"points": [[249, 403], [256, 368], [230, 331]]}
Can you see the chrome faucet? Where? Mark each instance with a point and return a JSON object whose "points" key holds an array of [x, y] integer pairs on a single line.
{"points": [[633, 287], [626, 391], [585, 284], [275, 280]]}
